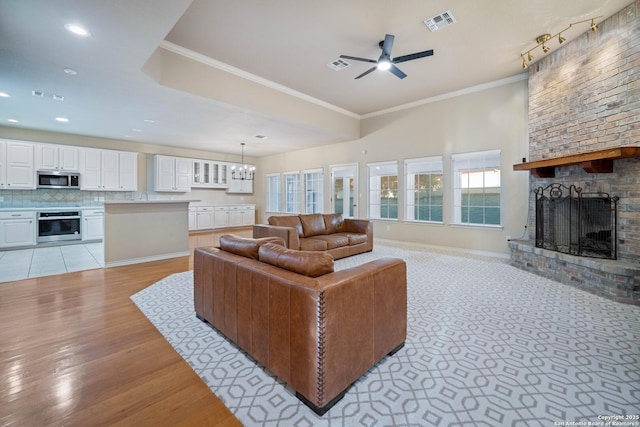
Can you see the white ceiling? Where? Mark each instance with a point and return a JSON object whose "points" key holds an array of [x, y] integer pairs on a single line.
{"points": [[282, 43]]}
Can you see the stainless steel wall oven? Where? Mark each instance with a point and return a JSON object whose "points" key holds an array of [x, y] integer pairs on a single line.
{"points": [[58, 226]]}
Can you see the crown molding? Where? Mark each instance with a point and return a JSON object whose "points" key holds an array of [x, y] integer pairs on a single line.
{"points": [[188, 53], [449, 95]]}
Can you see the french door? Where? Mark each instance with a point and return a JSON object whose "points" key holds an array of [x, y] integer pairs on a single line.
{"points": [[344, 188]]}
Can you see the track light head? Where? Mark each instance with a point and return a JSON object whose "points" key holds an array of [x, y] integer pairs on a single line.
{"points": [[529, 57], [561, 39], [593, 25], [545, 48]]}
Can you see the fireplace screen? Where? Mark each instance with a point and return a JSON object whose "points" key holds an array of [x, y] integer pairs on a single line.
{"points": [[576, 223]]}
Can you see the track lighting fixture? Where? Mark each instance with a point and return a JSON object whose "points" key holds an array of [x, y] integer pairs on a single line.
{"points": [[544, 38]]}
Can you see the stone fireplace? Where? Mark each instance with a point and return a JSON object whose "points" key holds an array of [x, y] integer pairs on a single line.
{"points": [[584, 132]]}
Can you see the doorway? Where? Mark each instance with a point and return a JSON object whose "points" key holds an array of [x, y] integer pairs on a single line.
{"points": [[344, 188]]}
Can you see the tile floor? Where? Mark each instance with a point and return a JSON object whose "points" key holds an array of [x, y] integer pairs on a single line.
{"points": [[44, 261]]}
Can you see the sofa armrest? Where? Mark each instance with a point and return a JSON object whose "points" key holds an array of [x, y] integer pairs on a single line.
{"points": [[362, 317], [362, 226], [288, 234]]}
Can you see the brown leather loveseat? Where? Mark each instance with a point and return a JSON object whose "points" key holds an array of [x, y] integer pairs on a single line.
{"points": [[320, 232], [316, 329]]}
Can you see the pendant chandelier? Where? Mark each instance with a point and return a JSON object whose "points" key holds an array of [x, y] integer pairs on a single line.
{"points": [[244, 172]]}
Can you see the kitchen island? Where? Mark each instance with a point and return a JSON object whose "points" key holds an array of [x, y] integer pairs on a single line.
{"points": [[145, 230]]}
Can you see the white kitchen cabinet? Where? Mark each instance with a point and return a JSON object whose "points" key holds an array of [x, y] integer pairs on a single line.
{"points": [[248, 215], [208, 174], [92, 224], [221, 216], [234, 215], [192, 219], [17, 228], [219, 173], [128, 171], [172, 174], [57, 157], [201, 173], [204, 217], [17, 170], [99, 169]]}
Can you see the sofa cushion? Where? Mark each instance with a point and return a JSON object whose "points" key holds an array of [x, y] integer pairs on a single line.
{"points": [[245, 246], [312, 244], [333, 223], [287, 221], [313, 225], [354, 238], [334, 240], [311, 264]]}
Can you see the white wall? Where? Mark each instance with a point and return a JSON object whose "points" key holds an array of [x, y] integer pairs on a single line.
{"points": [[491, 118]]}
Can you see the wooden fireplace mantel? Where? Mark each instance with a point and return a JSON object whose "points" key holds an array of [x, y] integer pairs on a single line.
{"points": [[594, 162]]}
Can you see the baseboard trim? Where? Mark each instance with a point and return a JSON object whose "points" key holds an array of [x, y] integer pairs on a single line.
{"points": [[404, 244], [160, 257]]}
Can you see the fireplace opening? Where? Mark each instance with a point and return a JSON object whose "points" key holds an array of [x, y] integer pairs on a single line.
{"points": [[576, 223]]}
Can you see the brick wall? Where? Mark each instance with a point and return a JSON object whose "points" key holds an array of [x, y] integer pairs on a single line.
{"points": [[585, 97]]}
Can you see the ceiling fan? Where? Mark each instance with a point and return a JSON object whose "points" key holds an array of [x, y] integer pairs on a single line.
{"points": [[385, 62]]}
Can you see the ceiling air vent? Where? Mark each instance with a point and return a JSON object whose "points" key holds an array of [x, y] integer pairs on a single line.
{"points": [[41, 94], [338, 64], [438, 22]]}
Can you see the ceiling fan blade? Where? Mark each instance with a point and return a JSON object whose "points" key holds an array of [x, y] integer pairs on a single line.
{"points": [[409, 57], [397, 71], [387, 45], [366, 72], [355, 58]]}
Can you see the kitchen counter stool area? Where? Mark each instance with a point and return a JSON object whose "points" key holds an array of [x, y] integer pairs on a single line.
{"points": [[26, 263]]}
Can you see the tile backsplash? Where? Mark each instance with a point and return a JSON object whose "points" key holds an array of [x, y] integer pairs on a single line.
{"points": [[60, 197]]}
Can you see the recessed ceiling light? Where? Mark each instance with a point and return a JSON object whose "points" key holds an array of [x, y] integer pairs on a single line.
{"points": [[12, 120], [4, 95], [136, 130], [77, 29], [62, 119], [149, 121], [71, 71], [128, 136], [262, 136]]}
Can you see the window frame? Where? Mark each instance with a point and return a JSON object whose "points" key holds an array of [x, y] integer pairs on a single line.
{"points": [[375, 191], [318, 192], [409, 180], [476, 162], [292, 196], [277, 200]]}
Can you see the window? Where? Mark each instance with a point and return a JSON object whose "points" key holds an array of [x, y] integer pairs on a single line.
{"points": [[476, 181], [292, 192], [424, 189], [313, 191], [383, 190], [273, 192]]}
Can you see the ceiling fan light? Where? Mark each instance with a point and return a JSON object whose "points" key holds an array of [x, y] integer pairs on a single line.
{"points": [[384, 64]]}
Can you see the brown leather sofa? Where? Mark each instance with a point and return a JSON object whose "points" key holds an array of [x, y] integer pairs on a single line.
{"points": [[320, 232], [316, 329]]}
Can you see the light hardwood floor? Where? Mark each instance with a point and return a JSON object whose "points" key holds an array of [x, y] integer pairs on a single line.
{"points": [[75, 350]]}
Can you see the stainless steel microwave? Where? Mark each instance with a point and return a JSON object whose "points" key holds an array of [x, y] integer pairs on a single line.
{"points": [[57, 179]]}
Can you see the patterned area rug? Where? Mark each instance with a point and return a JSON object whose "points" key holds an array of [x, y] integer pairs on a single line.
{"points": [[487, 345]]}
